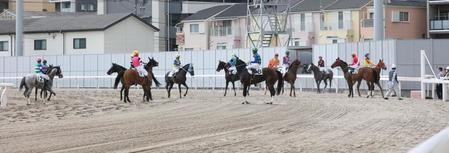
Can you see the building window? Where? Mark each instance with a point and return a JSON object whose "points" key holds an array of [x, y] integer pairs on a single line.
{"points": [[400, 16], [40, 44], [303, 22], [65, 5], [403, 16], [221, 28], [91, 7], [83, 7], [221, 46], [3, 46], [79, 43], [340, 20], [194, 28], [188, 49]]}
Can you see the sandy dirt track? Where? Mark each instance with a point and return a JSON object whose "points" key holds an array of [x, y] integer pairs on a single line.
{"points": [[205, 121]]}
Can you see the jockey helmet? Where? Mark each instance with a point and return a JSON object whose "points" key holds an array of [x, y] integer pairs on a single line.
{"points": [[367, 55], [276, 54], [320, 56], [287, 52], [255, 50], [178, 56], [135, 53], [354, 55], [447, 68], [44, 61], [393, 66], [39, 59]]}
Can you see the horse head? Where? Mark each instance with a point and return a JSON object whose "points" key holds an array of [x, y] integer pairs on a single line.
{"points": [[151, 63], [295, 64], [112, 69], [55, 70], [190, 69], [221, 66], [240, 65], [381, 64], [338, 62]]}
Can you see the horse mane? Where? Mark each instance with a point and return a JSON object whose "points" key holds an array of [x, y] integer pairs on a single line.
{"points": [[115, 64]]}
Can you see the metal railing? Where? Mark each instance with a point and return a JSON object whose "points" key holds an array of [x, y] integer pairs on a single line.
{"points": [[439, 24]]}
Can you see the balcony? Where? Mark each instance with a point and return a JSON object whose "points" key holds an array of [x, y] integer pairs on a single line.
{"points": [[367, 23], [337, 26], [439, 24], [438, 2]]}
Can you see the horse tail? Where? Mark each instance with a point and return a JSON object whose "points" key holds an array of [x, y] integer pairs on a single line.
{"points": [[280, 83], [118, 79], [155, 80], [22, 84]]}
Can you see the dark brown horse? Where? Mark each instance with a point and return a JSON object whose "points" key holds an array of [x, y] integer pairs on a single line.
{"points": [[270, 76], [179, 78], [323, 74], [290, 76], [131, 77], [371, 76], [348, 76], [228, 76]]}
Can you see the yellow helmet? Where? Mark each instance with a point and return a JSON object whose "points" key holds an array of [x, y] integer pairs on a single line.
{"points": [[135, 53]]}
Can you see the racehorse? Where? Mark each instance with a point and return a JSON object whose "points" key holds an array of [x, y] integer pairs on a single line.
{"points": [[120, 70], [131, 77], [290, 76], [31, 81], [321, 75], [348, 76], [228, 76], [49, 84], [179, 78], [371, 76], [270, 76]]}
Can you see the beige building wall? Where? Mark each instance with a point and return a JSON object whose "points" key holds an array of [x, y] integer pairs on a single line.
{"points": [[33, 5], [94, 42], [196, 40], [129, 35], [54, 45], [414, 29]]}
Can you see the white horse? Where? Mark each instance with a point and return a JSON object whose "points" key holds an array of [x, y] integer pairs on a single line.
{"points": [[31, 81]]}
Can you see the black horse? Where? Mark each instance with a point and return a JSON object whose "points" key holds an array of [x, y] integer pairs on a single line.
{"points": [[228, 76], [120, 70], [270, 76], [179, 78]]}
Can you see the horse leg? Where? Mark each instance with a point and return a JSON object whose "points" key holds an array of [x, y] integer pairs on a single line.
{"points": [[226, 87], [245, 93], [272, 93], [381, 90], [121, 92], [330, 84], [325, 85], [318, 85], [169, 89], [179, 87], [187, 88], [291, 89], [149, 96], [358, 87], [233, 88], [369, 88], [35, 95]]}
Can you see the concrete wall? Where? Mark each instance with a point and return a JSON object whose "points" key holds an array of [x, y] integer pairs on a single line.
{"points": [[128, 35], [54, 44], [94, 42]]}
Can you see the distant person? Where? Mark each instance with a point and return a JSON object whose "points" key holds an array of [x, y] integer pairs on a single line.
{"points": [[367, 61], [255, 63], [285, 62], [439, 88], [136, 63], [233, 62], [320, 61], [44, 68], [393, 83], [176, 65]]}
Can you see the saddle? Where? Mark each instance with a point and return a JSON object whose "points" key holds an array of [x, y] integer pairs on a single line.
{"points": [[256, 71], [138, 72]]}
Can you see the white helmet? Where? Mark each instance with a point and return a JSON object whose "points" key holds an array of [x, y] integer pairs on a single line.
{"points": [[393, 66], [447, 68]]}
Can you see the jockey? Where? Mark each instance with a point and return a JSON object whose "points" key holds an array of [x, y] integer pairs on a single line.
{"points": [[176, 65], [355, 63], [233, 63], [44, 67], [367, 62], [38, 70], [321, 61], [274, 62], [255, 63], [285, 62], [135, 62]]}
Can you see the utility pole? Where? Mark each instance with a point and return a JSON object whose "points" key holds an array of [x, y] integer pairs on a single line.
{"points": [[19, 28], [378, 20], [168, 25]]}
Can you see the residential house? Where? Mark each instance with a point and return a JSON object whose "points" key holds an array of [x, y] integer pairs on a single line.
{"points": [[195, 29], [438, 16], [306, 21], [227, 29], [85, 34], [403, 20], [32, 5], [340, 21]]}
